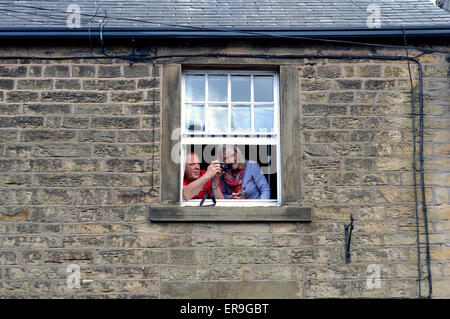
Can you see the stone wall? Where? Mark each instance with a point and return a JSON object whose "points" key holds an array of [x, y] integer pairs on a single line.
{"points": [[79, 165]]}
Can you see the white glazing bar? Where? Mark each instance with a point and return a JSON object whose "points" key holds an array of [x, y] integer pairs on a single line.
{"points": [[233, 134], [277, 114], [183, 96], [226, 140], [183, 165], [206, 104], [233, 202], [229, 102], [252, 100]]}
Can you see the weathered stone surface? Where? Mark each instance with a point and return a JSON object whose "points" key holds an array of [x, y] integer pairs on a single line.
{"points": [[56, 71], [92, 197], [315, 85], [348, 84], [9, 109], [96, 136], [67, 84], [56, 196], [128, 97], [320, 109], [379, 84], [115, 256], [105, 85], [14, 214], [73, 97], [112, 180], [245, 255], [331, 136], [8, 135], [47, 108], [148, 84], [109, 71], [75, 122], [83, 71], [68, 256], [6, 84], [138, 136], [47, 135], [62, 180], [115, 122], [369, 70], [344, 97], [232, 290], [22, 96], [329, 71], [34, 84], [13, 71], [106, 109]]}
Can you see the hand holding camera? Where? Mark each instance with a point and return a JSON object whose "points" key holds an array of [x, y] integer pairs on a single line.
{"points": [[214, 170]]}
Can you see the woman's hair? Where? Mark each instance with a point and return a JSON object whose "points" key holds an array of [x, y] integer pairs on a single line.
{"points": [[237, 151]]}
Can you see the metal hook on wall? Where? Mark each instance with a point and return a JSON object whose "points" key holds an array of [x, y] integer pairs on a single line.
{"points": [[348, 238]]}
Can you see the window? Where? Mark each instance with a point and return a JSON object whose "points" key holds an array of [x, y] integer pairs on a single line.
{"points": [[170, 207], [228, 109]]}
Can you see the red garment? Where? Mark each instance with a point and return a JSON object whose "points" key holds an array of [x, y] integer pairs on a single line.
{"points": [[206, 188], [235, 182]]}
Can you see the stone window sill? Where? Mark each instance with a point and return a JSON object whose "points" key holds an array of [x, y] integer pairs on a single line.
{"points": [[174, 213]]}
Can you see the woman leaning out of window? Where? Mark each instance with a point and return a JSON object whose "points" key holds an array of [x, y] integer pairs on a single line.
{"points": [[245, 181]]}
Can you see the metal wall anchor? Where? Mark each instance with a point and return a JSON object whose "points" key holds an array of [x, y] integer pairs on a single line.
{"points": [[348, 238]]}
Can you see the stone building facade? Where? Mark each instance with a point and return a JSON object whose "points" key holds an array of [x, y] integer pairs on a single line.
{"points": [[80, 160]]}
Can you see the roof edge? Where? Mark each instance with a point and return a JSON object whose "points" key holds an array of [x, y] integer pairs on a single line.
{"points": [[217, 32]]}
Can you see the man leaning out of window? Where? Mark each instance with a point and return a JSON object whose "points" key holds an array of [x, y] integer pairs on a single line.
{"points": [[197, 183]]}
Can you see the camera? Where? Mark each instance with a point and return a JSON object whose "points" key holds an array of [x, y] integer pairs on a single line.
{"points": [[227, 168]]}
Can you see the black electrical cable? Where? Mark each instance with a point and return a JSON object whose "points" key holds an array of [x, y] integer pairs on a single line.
{"points": [[259, 33], [413, 112], [214, 55], [422, 182]]}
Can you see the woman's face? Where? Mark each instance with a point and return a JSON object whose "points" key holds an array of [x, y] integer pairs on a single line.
{"points": [[229, 157]]}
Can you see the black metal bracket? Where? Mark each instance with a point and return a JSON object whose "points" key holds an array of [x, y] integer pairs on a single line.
{"points": [[133, 52], [212, 197], [348, 238]]}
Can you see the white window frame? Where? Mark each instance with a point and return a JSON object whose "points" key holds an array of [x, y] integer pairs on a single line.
{"points": [[239, 138]]}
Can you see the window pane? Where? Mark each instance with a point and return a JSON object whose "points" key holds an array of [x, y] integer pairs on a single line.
{"points": [[240, 88], [241, 118], [195, 117], [264, 118], [263, 86], [195, 87], [217, 88], [217, 118]]}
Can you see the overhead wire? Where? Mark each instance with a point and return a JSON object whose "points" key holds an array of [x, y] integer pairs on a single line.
{"points": [[244, 32]]}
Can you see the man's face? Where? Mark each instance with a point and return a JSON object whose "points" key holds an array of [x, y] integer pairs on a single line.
{"points": [[192, 170]]}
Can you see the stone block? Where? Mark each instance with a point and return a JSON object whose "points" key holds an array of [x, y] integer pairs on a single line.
{"points": [[232, 290]]}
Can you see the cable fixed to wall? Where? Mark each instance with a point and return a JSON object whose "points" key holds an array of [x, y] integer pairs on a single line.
{"points": [[348, 238]]}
